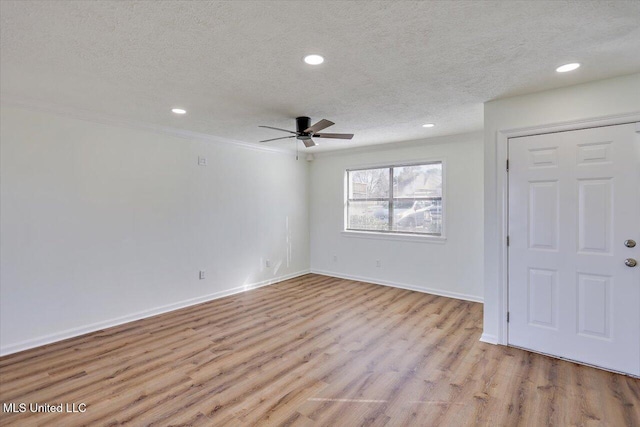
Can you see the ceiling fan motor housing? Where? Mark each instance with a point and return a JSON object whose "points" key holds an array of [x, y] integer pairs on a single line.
{"points": [[303, 123]]}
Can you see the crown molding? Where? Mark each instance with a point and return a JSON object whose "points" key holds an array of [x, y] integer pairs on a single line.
{"points": [[105, 119]]}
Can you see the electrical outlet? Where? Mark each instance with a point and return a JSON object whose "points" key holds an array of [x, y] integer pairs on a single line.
{"points": [[378, 264], [201, 275], [267, 264], [202, 161], [335, 258]]}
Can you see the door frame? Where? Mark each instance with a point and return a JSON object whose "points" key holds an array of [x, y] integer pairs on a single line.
{"points": [[502, 195]]}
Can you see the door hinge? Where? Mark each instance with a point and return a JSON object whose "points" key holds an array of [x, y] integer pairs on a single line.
{"points": [[507, 317], [507, 165], [508, 240]]}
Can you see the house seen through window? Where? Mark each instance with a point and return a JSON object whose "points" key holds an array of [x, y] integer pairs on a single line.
{"points": [[398, 199]]}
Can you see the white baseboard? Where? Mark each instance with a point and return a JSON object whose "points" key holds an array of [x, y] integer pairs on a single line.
{"points": [[74, 332], [489, 338], [432, 291]]}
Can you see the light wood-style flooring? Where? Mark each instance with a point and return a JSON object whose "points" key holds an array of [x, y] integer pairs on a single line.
{"points": [[314, 350]]}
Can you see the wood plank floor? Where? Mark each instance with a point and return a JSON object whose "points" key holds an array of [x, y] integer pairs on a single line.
{"points": [[314, 350]]}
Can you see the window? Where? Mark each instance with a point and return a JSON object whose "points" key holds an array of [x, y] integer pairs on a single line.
{"points": [[396, 199]]}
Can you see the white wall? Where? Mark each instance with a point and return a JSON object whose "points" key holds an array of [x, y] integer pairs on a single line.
{"points": [[452, 268], [583, 102], [102, 224]]}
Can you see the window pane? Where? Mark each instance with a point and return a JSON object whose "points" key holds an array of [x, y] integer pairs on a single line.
{"points": [[418, 181], [417, 216], [368, 216], [409, 215], [369, 183], [435, 211]]}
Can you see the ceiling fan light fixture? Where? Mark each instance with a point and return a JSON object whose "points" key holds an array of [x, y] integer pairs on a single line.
{"points": [[313, 59], [428, 125], [568, 67], [178, 111]]}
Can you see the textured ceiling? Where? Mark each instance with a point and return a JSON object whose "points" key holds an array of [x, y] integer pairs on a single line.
{"points": [[390, 66]]}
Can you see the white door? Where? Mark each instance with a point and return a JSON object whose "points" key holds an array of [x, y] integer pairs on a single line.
{"points": [[574, 206]]}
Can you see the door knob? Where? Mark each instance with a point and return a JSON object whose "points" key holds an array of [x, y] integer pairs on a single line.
{"points": [[630, 243], [630, 262]]}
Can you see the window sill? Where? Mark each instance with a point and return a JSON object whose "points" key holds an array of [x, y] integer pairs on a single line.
{"points": [[394, 236]]}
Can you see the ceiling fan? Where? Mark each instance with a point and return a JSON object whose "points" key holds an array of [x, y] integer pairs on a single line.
{"points": [[304, 131]]}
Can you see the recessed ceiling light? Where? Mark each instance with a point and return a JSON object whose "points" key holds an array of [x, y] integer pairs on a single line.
{"points": [[313, 59], [178, 111], [428, 125], [568, 67]]}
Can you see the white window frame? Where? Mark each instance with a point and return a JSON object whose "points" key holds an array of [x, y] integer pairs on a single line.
{"points": [[395, 235]]}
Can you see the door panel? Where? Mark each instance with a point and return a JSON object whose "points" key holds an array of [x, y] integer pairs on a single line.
{"points": [[574, 198], [594, 216], [543, 215], [594, 299], [543, 297]]}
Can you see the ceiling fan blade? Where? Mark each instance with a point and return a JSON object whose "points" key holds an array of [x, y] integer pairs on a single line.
{"points": [[322, 124], [282, 137], [333, 135], [309, 143], [283, 130]]}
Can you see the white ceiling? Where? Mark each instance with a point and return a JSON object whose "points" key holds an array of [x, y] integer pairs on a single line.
{"points": [[389, 68]]}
